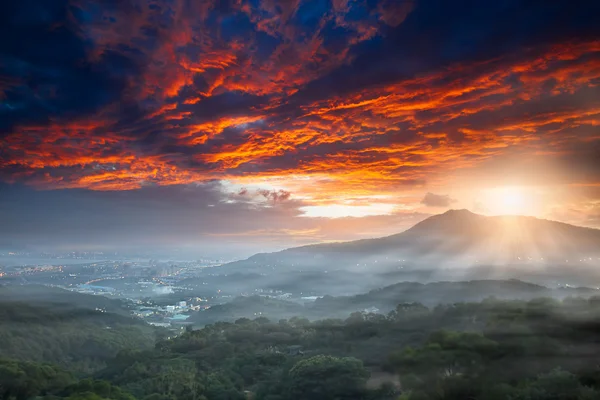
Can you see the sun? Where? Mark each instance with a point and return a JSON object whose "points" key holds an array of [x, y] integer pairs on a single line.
{"points": [[507, 200], [512, 199]]}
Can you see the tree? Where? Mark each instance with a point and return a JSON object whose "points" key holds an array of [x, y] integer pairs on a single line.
{"points": [[408, 310], [445, 354], [22, 380], [326, 378], [554, 385]]}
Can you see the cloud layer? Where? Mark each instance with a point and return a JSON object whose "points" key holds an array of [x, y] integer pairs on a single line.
{"points": [[115, 95]]}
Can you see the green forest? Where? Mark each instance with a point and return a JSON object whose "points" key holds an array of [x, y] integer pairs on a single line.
{"points": [[76, 338], [540, 349]]}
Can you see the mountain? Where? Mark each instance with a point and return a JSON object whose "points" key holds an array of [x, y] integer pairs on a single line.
{"points": [[442, 246], [432, 294], [386, 299]]}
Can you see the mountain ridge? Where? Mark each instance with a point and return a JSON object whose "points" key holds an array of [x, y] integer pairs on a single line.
{"points": [[455, 245], [434, 223], [385, 299], [463, 213]]}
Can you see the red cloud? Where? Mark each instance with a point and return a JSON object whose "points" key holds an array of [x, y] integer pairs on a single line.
{"points": [[376, 136]]}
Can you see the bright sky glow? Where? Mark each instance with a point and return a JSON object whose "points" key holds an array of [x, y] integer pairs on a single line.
{"points": [[339, 211], [509, 200]]}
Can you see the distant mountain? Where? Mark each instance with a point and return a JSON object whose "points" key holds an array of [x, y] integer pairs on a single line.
{"points": [[432, 294], [441, 245], [385, 300], [500, 239]]}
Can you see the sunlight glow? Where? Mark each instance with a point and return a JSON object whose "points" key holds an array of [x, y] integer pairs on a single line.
{"points": [[512, 199], [508, 201], [341, 210]]}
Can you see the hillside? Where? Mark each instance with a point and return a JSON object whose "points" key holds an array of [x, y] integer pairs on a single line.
{"points": [[385, 300], [438, 247], [433, 294], [40, 295], [73, 330], [248, 307], [496, 349]]}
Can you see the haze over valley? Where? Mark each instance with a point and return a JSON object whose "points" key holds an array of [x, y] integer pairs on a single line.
{"points": [[486, 253]]}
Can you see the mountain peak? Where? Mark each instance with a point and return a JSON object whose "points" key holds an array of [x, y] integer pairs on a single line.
{"points": [[451, 220], [441, 245], [461, 211]]}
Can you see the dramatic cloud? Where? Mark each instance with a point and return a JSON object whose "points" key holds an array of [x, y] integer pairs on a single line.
{"points": [[437, 200], [339, 104]]}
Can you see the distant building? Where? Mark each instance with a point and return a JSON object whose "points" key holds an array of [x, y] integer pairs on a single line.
{"points": [[182, 304], [170, 308]]}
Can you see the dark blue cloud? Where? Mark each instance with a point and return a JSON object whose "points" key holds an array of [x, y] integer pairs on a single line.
{"points": [[46, 62], [438, 33]]}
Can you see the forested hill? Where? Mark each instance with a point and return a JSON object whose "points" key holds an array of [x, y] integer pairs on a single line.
{"points": [[541, 349], [432, 294], [73, 337], [384, 300], [54, 297]]}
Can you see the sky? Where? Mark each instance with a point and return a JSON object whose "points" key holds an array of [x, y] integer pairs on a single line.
{"points": [[240, 126]]}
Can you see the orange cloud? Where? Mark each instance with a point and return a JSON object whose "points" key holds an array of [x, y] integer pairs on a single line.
{"points": [[195, 124]]}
